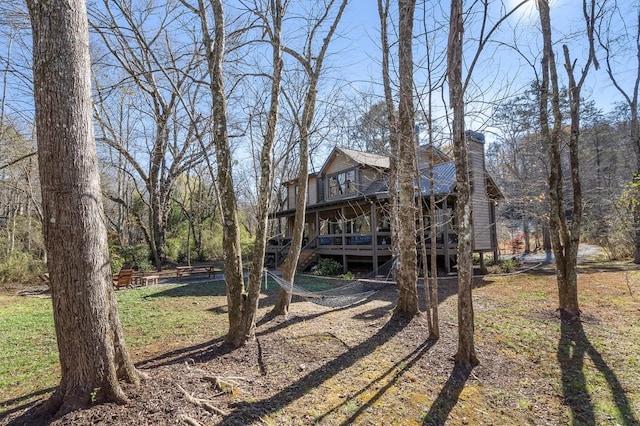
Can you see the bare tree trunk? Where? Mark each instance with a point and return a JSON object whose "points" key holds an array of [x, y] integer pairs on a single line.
{"points": [[406, 275], [313, 67], [420, 203], [91, 346], [434, 332], [466, 354], [383, 12], [291, 262], [230, 222], [431, 280], [565, 237], [432, 311], [274, 28]]}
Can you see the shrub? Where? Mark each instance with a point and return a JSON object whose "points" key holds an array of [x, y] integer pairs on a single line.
{"points": [[326, 266], [619, 242], [517, 242], [137, 256], [508, 265], [494, 269], [348, 276], [115, 261], [20, 268]]}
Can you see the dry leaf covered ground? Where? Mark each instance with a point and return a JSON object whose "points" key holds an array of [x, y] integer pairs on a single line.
{"points": [[362, 365]]}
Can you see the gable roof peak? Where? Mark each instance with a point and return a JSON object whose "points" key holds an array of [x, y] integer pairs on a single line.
{"points": [[365, 158]]}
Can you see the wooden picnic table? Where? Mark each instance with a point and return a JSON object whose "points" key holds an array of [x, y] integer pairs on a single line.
{"points": [[195, 269]]}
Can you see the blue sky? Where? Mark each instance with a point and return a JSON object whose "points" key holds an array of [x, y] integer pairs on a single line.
{"points": [[501, 72], [358, 51]]}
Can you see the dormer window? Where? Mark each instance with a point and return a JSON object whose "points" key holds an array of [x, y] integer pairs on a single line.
{"points": [[342, 183]]}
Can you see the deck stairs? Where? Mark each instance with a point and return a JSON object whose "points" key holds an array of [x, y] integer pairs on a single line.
{"points": [[306, 259], [308, 256]]}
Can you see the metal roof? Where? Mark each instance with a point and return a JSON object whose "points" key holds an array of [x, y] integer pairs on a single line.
{"points": [[444, 176]]}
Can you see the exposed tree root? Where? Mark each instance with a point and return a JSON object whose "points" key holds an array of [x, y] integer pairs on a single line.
{"points": [[202, 403], [65, 400], [226, 386]]}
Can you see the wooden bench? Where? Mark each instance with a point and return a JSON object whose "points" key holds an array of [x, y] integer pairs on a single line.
{"points": [[196, 269]]}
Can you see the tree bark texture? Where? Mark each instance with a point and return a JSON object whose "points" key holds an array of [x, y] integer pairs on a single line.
{"points": [[434, 332], [406, 275], [466, 354], [232, 252], [91, 346], [565, 236], [266, 178], [383, 13], [313, 67], [291, 262]]}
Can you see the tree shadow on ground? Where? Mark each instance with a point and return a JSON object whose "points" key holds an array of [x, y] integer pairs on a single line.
{"points": [[573, 347], [448, 396], [191, 289], [247, 412], [20, 399], [201, 352], [392, 375], [386, 295], [212, 349], [448, 287], [207, 351]]}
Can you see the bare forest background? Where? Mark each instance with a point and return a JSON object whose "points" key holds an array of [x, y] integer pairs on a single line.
{"points": [[153, 128]]}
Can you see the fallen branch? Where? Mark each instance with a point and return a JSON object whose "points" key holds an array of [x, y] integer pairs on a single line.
{"points": [[188, 420], [202, 403], [626, 275]]}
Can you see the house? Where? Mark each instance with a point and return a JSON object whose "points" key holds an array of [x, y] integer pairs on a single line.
{"points": [[348, 209]]}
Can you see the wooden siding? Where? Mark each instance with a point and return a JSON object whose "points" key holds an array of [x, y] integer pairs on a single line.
{"points": [[313, 191], [338, 163], [479, 201], [357, 232], [320, 186], [426, 156], [291, 195]]}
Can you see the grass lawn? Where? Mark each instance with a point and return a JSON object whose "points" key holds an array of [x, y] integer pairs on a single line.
{"points": [[354, 366], [155, 319]]}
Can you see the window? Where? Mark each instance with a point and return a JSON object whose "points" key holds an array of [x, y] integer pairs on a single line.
{"points": [[342, 183]]}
